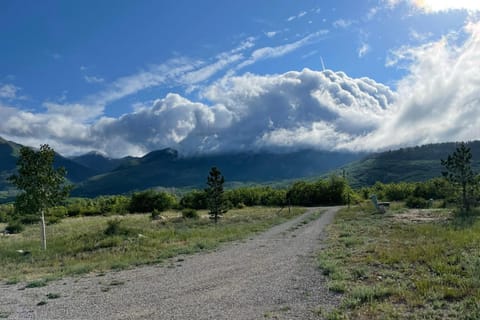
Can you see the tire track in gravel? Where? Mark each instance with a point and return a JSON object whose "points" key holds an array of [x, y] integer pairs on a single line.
{"points": [[272, 275]]}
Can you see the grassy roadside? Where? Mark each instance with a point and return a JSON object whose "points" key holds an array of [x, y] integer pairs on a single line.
{"points": [[81, 245], [406, 264]]}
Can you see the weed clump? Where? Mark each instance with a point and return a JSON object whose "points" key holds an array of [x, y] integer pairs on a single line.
{"points": [[190, 214], [115, 228], [36, 284], [53, 295]]}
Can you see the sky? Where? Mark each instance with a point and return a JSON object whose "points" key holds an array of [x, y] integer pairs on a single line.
{"points": [[128, 77]]}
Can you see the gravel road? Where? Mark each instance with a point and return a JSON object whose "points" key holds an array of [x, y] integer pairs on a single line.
{"points": [[270, 276]]}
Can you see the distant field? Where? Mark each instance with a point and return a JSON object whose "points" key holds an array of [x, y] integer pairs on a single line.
{"points": [[406, 264], [81, 245]]}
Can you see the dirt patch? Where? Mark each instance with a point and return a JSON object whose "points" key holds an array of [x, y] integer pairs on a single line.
{"points": [[420, 216]]}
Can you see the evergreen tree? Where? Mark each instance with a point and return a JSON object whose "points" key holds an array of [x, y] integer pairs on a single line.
{"points": [[216, 203], [459, 172], [43, 186]]}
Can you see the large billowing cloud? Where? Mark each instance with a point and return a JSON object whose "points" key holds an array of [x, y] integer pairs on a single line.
{"points": [[439, 100], [251, 112]]}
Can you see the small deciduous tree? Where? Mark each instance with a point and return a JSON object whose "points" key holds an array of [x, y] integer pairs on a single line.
{"points": [[216, 203], [459, 172], [41, 184]]}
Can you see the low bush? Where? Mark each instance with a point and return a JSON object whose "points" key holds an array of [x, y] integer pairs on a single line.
{"points": [[56, 214], [103, 205], [195, 199], [3, 217], [416, 202], [190, 214], [28, 218], [241, 205], [115, 228], [155, 214], [14, 227], [147, 201], [6, 210]]}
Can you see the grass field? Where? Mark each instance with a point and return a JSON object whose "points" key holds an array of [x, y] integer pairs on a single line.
{"points": [[81, 245], [406, 264]]}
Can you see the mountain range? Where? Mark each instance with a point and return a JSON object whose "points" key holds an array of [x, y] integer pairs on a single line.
{"points": [[95, 174], [9, 153], [418, 163], [168, 169]]}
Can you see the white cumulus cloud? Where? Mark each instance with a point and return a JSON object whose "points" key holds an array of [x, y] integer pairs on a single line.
{"points": [[8, 91], [435, 6], [250, 112], [438, 100]]}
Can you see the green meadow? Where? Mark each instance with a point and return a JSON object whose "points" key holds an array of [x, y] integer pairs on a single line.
{"points": [[98, 243], [405, 264]]}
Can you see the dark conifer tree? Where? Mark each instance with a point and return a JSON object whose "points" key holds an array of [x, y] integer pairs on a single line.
{"points": [[459, 172], [216, 203]]}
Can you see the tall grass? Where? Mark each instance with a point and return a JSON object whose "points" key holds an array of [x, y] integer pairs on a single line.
{"points": [[81, 245], [389, 268]]}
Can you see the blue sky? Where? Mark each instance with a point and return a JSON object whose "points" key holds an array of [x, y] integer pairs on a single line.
{"points": [[127, 77]]}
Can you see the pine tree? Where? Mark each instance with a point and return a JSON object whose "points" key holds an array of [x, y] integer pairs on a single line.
{"points": [[459, 172], [215, 199]]}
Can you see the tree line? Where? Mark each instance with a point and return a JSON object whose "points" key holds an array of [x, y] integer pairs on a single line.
{"points": [[44, 193]]}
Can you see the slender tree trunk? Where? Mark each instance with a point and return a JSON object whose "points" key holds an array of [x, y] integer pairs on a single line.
{"points": [[43, 231], [464, 196]]}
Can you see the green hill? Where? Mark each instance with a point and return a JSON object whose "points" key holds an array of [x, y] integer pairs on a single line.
{"points": [[406, 164]]}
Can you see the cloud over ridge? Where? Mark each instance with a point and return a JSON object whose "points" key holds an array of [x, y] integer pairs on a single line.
{"points": [[438, 100], [252, 112]]}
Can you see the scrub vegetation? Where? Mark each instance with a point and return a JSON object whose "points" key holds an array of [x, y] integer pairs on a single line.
{"points": [[405, 264], [98, 243]]}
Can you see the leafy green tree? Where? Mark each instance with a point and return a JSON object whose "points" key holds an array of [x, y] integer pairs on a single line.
{"points": [[149, 200], [459, 172], [42, 185], [216, 203], [195, 199]]}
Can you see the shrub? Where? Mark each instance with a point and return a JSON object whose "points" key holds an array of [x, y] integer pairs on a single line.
{"points": [[195, 199], [29, 218], [147, 201], [240, 205], [6, 210], [3, 217], [416, 202], [112, 204], [56, 214], [322, 192], [14, 227], [190, 214], [115, 228], [255, 196], [155, 214]]}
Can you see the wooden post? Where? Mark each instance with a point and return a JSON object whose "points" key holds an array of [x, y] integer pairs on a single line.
{"points": [[43, 231]]}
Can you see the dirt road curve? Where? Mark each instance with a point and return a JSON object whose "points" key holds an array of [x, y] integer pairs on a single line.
{"points": [[271, 276]]}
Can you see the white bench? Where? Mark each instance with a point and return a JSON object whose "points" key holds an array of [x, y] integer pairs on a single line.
{"points": [[380, 206]]}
